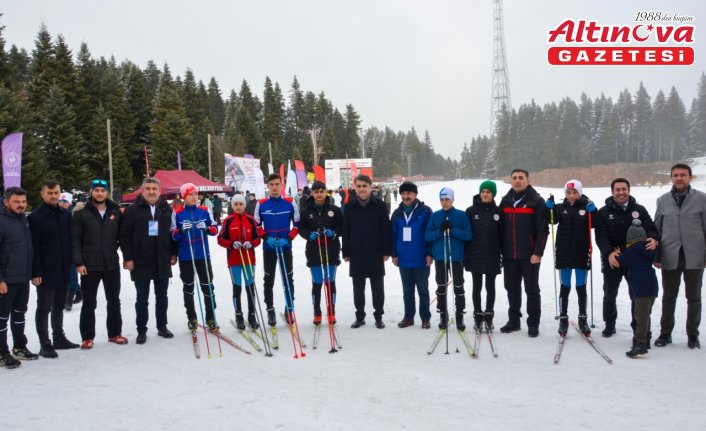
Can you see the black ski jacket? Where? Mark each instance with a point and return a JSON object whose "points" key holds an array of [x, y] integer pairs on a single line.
{"points": [[94, 240], [15, 248], [613, 222], [312, 219], [572, 236], [483, 252], [525, 226]]}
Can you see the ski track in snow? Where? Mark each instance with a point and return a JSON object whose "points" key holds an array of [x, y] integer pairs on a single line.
{"points": [[380, 379]]}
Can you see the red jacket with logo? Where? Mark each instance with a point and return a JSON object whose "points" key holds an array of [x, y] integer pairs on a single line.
{"points": [[239, 228]]}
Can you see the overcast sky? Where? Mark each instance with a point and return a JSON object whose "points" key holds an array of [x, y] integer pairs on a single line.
{"points": [[400, 63]]}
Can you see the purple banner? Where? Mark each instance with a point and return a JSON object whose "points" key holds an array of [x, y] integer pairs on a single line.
{"points": [[12, 160]]}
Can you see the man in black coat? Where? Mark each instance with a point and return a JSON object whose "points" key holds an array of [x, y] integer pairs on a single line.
{"points": [[149, 253], [94, 247], [50, 225], [367, 244], [525, 229], [611, 227], [15, 272]]}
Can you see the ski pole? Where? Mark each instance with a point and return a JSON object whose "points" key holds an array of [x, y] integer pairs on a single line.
{"points": [[259, 307], [289, 301], [198, 291], [331, 295], [210, 288], [252, 295], [551, 222], [327, 292], [446, 275], [590, 261]]}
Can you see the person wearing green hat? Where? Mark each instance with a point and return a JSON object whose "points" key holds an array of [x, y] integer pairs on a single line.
{"points": [[482, 253]]}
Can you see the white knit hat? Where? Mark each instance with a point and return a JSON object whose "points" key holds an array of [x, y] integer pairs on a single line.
{"points": [[446, 193], [574, 184], [237, 198]]}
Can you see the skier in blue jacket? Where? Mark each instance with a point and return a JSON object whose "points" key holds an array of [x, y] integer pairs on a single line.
{"points": [[190, 226], [449, 230], [278, 217]]}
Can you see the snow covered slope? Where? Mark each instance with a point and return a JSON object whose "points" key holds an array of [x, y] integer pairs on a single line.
{"points": [[381, 379]]}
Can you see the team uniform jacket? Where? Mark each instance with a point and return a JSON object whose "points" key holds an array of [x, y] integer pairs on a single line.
{"points": [[239, 228], [277, 218], [318, 219], [573, 237], [612, 225], [525, 225], [483, 252], [192, 239], [459, 235]]}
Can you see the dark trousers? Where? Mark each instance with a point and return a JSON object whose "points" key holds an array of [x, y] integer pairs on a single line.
{"points": [[489, 291], [643, 310], [249, 295], [611, 284], [564, 299], [205, 274], [442, 279], [89, 286], [377, 286], [516, 271], [50, 300], [316, 298], [142, 303], [13, 306], [692, 288], [415, 279], [270, 265]]}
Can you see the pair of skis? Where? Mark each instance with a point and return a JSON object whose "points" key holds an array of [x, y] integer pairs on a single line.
{"points": [[317, 333], [439, 336], [588, 338], [226, 339], [479, 335], [472, 350]]}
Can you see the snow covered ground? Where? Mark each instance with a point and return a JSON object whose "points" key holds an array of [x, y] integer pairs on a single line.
{"points": [[381, 379]]}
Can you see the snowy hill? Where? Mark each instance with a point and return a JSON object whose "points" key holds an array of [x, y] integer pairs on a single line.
{"points": [[381, 379]]}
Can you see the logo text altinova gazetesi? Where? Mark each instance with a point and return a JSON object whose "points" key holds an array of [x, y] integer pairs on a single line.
{"points": [[584, 42]]}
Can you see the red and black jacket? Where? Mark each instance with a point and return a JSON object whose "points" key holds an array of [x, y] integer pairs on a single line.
{"points": [[525, 225], [239, 227]]}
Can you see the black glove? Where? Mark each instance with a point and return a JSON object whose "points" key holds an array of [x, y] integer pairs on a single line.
{"points": [[445, 226]]}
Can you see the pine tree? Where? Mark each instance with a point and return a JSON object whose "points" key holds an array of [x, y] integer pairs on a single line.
{"points": [[170, 131], [351, 138], [643, 127], [59, 141], [41, 70], [676, 130], [272, 125], [697, 121], [216, 108], [18, 69], [626, 116]]}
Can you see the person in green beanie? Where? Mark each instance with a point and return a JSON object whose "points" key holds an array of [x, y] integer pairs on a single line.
{"points": [[482, 254]]}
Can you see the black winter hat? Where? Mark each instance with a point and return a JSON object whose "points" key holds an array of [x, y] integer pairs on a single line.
{"points": [[635, 232], [408, 186]]}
